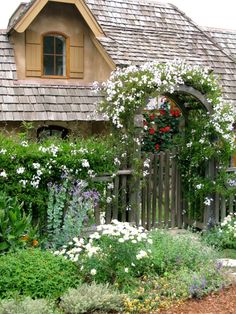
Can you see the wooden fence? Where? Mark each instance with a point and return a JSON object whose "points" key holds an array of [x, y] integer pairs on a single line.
{"points": [[158, 199]]}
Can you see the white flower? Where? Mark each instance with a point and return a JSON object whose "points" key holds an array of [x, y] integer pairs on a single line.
{"points": [[117, 162], [3, 151], [199, 186], [85, 163], [23, 182], [110, 186], [126, 269], [146, 163], [141, 254], [20, 170], [3, 174], [39, 172], [109, 200], [150, 241], [121, 240], [208, 201], [93, 272], [24, 144], [36, 165]]}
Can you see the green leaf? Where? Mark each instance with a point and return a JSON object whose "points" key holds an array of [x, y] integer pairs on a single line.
{"points": [[4, 246]]}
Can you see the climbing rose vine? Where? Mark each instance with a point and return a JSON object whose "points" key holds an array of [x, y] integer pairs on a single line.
{"points": [[160, 126]]}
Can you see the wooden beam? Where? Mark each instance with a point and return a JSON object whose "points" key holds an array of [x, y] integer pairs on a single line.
{"points": [[32, 13]]}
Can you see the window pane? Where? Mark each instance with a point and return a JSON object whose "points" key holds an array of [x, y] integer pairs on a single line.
{"points": [[60, 45], [48, 44], [60, 65], [48, 63]]}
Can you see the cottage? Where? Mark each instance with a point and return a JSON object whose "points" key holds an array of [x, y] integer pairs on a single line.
{"points": [[53, 50]]}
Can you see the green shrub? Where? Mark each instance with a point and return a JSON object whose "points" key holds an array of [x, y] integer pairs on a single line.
{"points": [[15, 226], [90, 298], [223, 236], [26, 168], [26, 306], [36, 273], [118, 255], [171, 253]]}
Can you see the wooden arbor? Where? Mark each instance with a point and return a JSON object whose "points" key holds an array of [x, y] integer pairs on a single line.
{"points": [[160, 201]]}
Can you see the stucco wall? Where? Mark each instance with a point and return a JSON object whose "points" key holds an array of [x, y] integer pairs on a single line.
{"points": [[76, 128], [64, 18]]}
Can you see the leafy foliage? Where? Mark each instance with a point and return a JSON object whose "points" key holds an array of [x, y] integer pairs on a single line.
{"points": [[91, 298], [15, 226], [224, 235], [70, 207], [26, 168], [36, 273], [26, 306]]}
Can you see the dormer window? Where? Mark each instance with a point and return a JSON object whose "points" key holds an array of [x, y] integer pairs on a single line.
{"points": [[54, 55]]}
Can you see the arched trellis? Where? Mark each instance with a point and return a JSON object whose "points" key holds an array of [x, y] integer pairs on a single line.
{"points": [[209, 211], [190, 91], [126, 94]]}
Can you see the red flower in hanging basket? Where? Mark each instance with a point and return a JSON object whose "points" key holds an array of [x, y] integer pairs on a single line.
{"points": [[157, 147], [165, 129], [162, 112], [152, 116], [151, 131], [175, 113]]}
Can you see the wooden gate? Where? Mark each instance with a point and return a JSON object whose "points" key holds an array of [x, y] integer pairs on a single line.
{"points": [[158, 200]]}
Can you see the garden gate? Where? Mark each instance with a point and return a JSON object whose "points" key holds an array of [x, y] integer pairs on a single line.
{"points": [[158, 200]]}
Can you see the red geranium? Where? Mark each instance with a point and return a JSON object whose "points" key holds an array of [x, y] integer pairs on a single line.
{"points": [[152, 116], [151, 131], [165, 129], [157, 147], [145, 122], [162, 112], [175, 113]]}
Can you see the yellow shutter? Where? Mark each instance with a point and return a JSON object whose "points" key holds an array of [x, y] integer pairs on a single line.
{"points": [[77, 56], [32, 53]]}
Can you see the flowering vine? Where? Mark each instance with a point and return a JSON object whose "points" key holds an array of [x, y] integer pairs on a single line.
{"points": [[206, 136]]}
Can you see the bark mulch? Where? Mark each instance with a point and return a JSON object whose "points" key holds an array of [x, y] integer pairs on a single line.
{"points": [[223, 302]]}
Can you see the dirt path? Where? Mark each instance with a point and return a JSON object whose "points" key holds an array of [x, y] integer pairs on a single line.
{"points": [[223, 302]]}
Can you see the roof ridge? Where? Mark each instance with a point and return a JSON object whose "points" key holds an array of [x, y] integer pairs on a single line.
{"points": [[145, 2], [226, 30], [201, 29]]}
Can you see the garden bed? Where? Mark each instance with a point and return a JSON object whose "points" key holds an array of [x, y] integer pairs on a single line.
{"points": [[222, 302]]}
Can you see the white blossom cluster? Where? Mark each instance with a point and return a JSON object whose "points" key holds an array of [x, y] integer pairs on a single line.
{"points": [[118, 231], [229, 225], [126, 89]]}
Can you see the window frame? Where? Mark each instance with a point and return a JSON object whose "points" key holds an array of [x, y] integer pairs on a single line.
{"points": [[67, 57]]}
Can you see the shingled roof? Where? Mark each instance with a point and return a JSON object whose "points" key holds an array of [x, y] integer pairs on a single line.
{"points": [[30, 101], [226, 38], [136, 32], [142, 31]]}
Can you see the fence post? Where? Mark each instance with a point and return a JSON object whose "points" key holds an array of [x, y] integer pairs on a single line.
{"points": [[210, 217], [135, 191]]}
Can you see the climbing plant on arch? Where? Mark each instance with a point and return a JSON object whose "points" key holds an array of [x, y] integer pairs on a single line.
{"points": [[208, 133]]}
